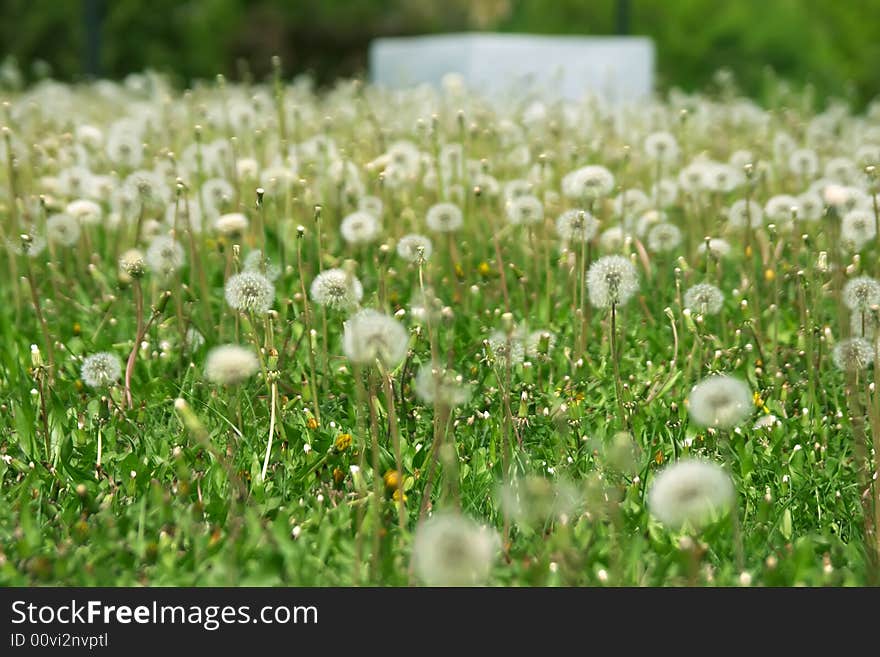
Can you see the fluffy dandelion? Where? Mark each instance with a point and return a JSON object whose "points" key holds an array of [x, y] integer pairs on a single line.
{"points": [[745, 213], [231, 224], [370, 335], [576, 226], [853, 354], [62, 229], [101, 369], [415, 248], [664, 238], [717, 247], [255, 262], [359, 228], [720, 401], [231, 364], [525, 210], [704, 298], [611, 281], [133, 263], [540, 343], [444, 218], [857, 228], [337, 289], [451, 550], [661, 147], [250, 291], [534, 501], [590, 182], [861, 293], [507, 348], [85, 211], [435, 384], [164, 255], [690, 492]]}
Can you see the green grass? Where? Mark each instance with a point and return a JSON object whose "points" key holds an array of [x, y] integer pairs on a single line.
{"points": [[185, 504]]}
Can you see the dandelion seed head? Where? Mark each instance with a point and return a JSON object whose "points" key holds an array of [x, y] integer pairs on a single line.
{"points": [[231, 364], [336, 289], [861, 293], [360, 228], [664, 238], [590, 182], [233, 223], [690, 492], [257, 263], [704, 298], [85, 211], [720, 401], [164, 255], [250, 291], [576, 226], [741, 212], [444, 218], [62, 229], [611, 280], [370, 335], [857, 228], [437, 385], [133, 263], [717, 247], [415, 248], [661, 147], [452, 550], [853, 354], [101, 369]]}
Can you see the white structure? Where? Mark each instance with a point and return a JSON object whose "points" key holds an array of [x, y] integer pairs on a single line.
{"points": [[618, 68]]}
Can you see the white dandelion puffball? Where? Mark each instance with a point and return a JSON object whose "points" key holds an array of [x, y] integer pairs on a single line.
{"points": [[781, 208], [62, 229], [590, 182], [452, 550], [164, 255], [133, 263], [337, 289], [664, 238], [231, 224], [85, 211], [661, 147], [611, 280], [857, 228], [743, 213], [444, 218], [861, 293], [370, 335], [250, 291], [257, 263], [509, 349], [230, 364], [525, 210], [717, 247], [690, 492], [704, 298], [359, 228], [853, 354], [415, 248], [540, 343], [576, 226], [435, 384], [101, 369], [720, 401]]}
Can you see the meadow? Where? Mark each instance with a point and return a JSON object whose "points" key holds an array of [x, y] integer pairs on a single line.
{"points": [[265, 334]]}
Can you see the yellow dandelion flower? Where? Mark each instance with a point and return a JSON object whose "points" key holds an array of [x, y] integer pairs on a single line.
{"points": [[343, 442]]}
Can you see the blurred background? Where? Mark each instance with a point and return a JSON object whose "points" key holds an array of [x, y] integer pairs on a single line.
{"points": [[832, 45]]}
